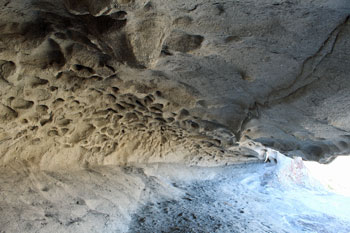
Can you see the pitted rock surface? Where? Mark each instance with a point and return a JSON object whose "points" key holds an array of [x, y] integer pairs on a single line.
{"points": [[121, 81]]}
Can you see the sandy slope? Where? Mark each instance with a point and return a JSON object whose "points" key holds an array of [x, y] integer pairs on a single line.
{"points": [[167, 198]]}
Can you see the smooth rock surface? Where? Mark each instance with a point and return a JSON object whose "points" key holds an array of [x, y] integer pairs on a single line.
{"points": [[252, 197]]}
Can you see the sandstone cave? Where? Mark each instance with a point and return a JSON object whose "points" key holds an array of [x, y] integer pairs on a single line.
{"points": [[174, 116]]}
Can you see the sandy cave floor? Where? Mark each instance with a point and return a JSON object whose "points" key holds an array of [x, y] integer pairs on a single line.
{"points": [[166, 198]]}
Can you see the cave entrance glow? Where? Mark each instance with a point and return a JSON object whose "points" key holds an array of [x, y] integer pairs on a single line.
{"points": [[334, 176]]}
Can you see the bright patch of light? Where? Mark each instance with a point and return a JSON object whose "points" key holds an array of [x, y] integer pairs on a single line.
{"points": [[334, 176]]}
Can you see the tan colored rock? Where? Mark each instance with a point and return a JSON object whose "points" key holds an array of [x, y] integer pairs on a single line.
{"points": [[7, 114], [119, 82]]}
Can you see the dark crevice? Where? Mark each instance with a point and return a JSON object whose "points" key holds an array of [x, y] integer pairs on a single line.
{"points": [[194, 8], [253, 113]]}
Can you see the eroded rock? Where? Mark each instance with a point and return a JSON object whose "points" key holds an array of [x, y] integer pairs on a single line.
{"points": [[119, 82]]}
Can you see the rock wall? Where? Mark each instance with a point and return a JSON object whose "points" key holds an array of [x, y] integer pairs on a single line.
{"points": [[121, 81]]}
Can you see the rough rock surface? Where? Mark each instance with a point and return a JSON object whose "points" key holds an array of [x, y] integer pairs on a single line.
{"points": [[123, 81], [87, 85]]}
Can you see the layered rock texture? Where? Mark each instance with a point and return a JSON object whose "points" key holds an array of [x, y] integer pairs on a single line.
{"points": [[118, 82]]}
